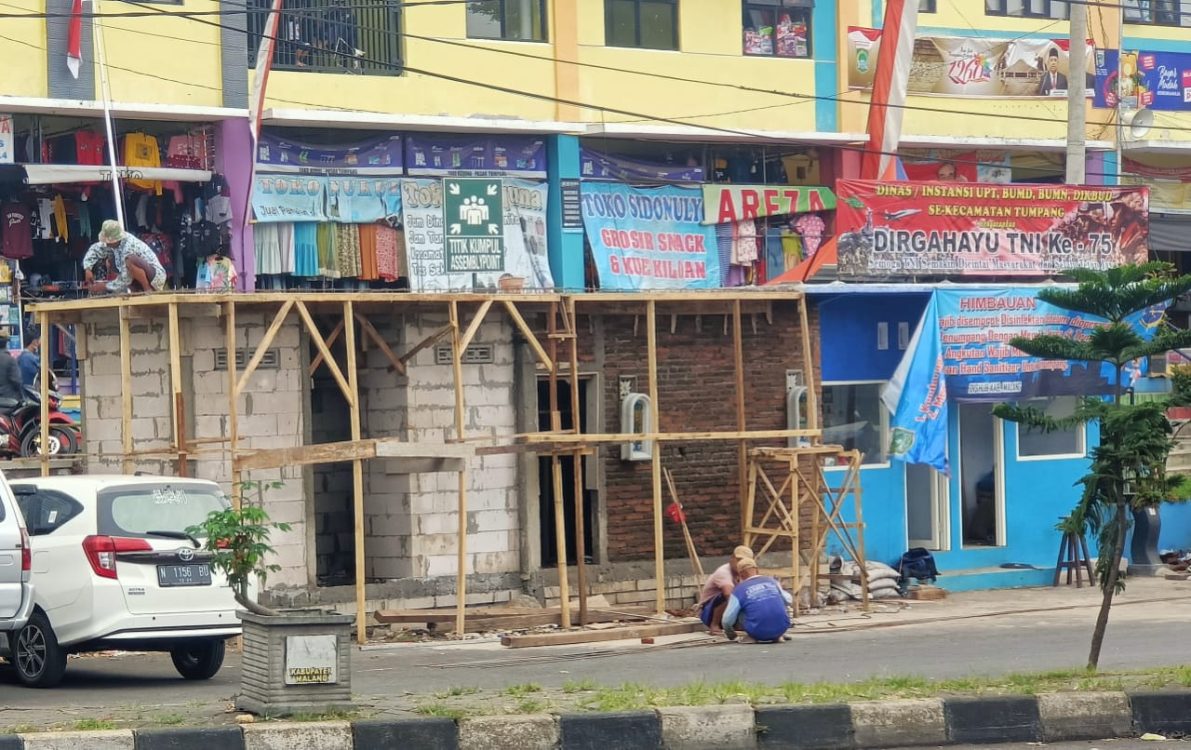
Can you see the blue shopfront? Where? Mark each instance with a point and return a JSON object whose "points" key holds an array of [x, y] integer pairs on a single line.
{"points": [[987, 508]]}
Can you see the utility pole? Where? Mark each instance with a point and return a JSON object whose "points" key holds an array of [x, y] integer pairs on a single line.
{"points": [[1077, 71]]}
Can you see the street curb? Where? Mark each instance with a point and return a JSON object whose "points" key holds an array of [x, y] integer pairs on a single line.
{"points": [[1166, 712], [927, 722]]}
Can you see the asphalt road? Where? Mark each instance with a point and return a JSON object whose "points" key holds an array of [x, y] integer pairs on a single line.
{"points": [[146, 687]]}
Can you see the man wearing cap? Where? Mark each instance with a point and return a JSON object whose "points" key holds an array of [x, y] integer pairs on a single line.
{"points": [[717, 589], [759, 604], [139, 269]]}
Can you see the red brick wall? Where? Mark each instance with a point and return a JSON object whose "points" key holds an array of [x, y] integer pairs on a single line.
{"points": [[696, 393]]}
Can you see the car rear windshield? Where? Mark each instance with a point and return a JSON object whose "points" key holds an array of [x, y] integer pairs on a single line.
{"points": [[133, 510]]}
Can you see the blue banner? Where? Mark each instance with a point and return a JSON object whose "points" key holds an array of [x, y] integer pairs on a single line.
{"points": [[649, 238], [597, 165], [376, 156], [279, 197], [961, 352], [361, 200], [917, 396], [1153, 80]]}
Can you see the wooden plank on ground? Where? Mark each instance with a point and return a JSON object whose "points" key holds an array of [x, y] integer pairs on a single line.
{"points": [[448, 614], [571, 638]]}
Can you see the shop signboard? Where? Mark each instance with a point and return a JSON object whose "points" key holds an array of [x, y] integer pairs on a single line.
{"points": [[289, 197], [649, 238], [375, 156], [915, 229], [524, 264], [1137, 79], [475, 156], [724, 204], [970, 66], [960, 351], [473, 220], [7, 146]]}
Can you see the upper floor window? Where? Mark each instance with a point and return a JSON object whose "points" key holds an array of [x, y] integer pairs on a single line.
{"points": [[778, 27], [1057, 9], [927, 6], [651, 24], [515, 20], [1158, 12], [331, 36]]}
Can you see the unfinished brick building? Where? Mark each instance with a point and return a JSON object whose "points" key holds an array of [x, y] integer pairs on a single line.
{"points": [[393, 469]]}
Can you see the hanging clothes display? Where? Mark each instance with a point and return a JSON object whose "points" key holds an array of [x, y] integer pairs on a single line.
{"points": [[812, 228], [141, 150], [328, 265], [347, 250], [217, 274], [388, 253], [306, 249], [267, 242]]}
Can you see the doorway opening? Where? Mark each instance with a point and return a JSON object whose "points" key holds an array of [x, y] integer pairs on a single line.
{"points": [[330, 421], [979, 475], [548, 542], [928, 520]]}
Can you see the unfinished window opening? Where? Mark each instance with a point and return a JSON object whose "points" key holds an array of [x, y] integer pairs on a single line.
{"points": [[330, 421], [549, 544]]}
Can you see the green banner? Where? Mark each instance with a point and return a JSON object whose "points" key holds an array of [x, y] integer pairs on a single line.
{"points": [[473, 221], [725, 204]]}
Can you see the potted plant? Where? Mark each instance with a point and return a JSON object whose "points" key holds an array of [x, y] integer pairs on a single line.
{"points": [[294, 660]]}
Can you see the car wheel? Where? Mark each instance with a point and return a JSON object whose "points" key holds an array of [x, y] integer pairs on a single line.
{"points": [[38, 658], [200, 660]]}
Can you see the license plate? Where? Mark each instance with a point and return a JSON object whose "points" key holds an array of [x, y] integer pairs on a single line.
{"points": [[183, 575]]}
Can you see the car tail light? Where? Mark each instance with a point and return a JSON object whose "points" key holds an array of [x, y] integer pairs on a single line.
{"points": [[26, 552], [101, 552]]}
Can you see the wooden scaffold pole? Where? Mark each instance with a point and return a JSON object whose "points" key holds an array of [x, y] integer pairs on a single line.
{"points": [[651, 346], [461, 563], [233, 399], [177, 400], [353, 381], [560, 525], [43, 320], [577, 458], [741, 425]]}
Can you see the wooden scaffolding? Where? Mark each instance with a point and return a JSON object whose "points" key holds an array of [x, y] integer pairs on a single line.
{"points": [[349, 315]]}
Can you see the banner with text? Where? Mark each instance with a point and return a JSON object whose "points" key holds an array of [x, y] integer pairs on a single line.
{"points": [[1153, 80], [524, 265], [970, 66], [726, 204], [477, 156], [362, 200], [289, 197], [376, 156], [900, 229], [649, 238], [961, 351]]}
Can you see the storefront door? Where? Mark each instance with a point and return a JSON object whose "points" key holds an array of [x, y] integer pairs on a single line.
{"points": [[928, 520], [980, 476]]}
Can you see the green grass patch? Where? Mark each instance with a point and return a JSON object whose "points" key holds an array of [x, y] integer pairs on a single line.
{"points": [[93, 725], [520, 691], [443, 711]]}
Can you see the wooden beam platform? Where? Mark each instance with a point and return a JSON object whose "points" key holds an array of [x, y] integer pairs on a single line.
{"points": [[574, 637]]}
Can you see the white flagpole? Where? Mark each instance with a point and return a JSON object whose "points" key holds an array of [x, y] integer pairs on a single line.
{"points": [[106, 96]]}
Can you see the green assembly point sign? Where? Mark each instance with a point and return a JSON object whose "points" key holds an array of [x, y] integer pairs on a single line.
{"points": [[473, 220]]}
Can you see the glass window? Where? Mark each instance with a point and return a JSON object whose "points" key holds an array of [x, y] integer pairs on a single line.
{"points": [[926, 6], [45, 511], [1057, 9], [777, 27], [649, 24], [1032, 442], [854, 417], [134, 510], [517, 20], [337, 36], [1158, 12]]}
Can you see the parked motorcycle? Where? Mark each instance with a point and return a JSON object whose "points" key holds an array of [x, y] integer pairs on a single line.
{"points": [[20, 424]]}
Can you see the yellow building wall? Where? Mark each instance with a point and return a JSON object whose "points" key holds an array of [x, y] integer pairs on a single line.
{"points": [[23, 58], [417, 93], [711, 44], [163, 60]]}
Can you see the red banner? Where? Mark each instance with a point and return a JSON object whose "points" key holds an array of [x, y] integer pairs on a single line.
{"points": [[901, 229]]}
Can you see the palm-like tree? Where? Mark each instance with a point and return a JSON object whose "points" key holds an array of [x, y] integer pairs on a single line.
{"points": [[1129, 466]]}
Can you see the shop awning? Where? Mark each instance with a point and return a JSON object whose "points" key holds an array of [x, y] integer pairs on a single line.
{"points": [[57, 174]]}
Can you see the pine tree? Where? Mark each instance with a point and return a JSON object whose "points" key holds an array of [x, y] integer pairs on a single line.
{"points": [[1128, 467]]}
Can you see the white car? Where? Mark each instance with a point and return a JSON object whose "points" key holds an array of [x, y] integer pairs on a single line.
{"points": [[114, 569], [16, 565]]}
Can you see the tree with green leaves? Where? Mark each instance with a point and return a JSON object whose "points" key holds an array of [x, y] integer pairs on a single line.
{"points": [[1128, 468], [238, 540]]}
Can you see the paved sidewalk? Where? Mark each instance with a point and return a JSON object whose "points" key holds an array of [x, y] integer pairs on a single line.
{"points": [[980, 633]]}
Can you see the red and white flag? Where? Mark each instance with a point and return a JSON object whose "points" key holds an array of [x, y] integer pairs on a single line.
{"points": [[889, 90], [74, 38]]}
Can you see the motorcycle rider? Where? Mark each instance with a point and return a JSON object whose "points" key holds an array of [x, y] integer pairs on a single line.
{"points": [[30, 359], [10, 376]]}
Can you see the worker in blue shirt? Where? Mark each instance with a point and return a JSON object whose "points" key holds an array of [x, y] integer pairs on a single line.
{"points": [[30, 358], [759, 604]]}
